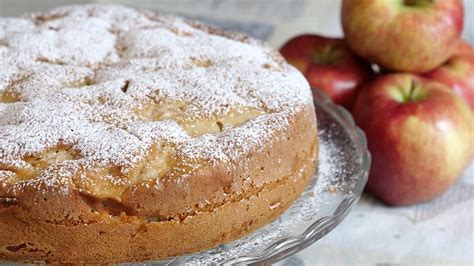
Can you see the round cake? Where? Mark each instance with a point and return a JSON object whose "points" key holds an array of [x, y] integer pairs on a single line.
{"points": [[128, 136]]}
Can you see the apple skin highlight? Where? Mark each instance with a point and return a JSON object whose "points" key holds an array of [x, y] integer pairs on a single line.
{"points": [[419, 145]]}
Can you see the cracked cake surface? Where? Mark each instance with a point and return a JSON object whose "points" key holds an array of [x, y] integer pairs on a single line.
{"points": [[111, 116]]}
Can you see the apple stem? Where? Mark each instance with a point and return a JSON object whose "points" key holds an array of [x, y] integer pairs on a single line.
{"points": [[417, 2], [413, 87]]}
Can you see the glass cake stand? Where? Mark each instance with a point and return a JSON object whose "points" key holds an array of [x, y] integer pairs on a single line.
{"points": [[342, 173]]}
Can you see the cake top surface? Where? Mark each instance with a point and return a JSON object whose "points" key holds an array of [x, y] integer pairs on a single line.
{"points": [[113, 90]]}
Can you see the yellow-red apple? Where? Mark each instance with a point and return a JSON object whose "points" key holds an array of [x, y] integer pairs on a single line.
{"points": [[420, 135], [403, 35], [458, 74], [463, 48], [328, 65]]}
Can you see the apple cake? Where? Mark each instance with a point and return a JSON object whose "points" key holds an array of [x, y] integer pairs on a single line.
{"points": [[127, 136]]}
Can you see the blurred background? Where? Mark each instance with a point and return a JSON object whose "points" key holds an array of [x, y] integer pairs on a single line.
{"points": [[273, 20], [439, 232]]}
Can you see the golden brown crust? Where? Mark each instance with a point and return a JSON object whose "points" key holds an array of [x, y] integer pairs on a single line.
{"points": [[38, 235], [111, 241]]}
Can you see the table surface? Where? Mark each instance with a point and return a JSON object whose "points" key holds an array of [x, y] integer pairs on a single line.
{"points": [[438, 232]]}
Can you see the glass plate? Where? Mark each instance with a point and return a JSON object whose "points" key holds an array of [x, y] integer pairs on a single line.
{"points": [[342, 173]]}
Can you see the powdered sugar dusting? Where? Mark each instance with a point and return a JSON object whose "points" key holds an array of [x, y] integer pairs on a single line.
{"points": [[74, 77]]}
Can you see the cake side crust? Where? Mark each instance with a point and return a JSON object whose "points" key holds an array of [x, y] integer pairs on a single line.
{"points": [[112, 241]]}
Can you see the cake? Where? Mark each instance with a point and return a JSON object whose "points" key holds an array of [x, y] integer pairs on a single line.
{"points": [[127, 135]]}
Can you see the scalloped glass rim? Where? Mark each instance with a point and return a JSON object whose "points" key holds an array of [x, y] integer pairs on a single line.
{"points": [[324, 225], [290, 245]]}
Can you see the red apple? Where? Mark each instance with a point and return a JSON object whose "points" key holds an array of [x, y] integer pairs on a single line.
{"points": [[328, 65], [458, 74], [420, 135], [403, 35]]}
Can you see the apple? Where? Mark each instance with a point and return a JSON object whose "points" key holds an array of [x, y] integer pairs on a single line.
{"points": [[328, 65], [458, 74], [420, 135], [403, 35], [463, 48]]}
